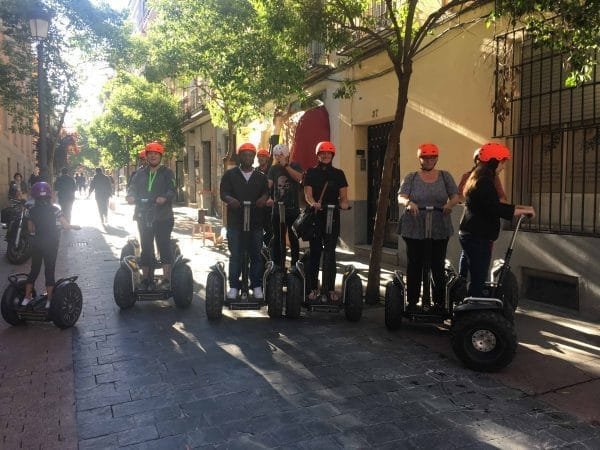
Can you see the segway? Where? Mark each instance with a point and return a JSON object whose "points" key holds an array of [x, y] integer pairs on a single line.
{"points": [[18, 241], [128, 287], [216, 282], [64, 308], [297, 293], [482, 328], [274, 276]]}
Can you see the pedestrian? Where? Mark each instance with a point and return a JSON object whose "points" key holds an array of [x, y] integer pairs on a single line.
{"points": [[329, 185], [284, 186], [152, 190], [42, 220], [239, 184], [17, 189], [264, 164], [80, 180], [480, 223], [65, 188], [426, 187], [103, 189], [35, 177]]}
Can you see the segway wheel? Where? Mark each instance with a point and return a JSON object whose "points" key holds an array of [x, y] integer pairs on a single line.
{"points": [[394, 306], [214, 296], [123, 289], [484, 341], [275, 295], [509, 291], [66, 305], [127, 250], [20, 254], [183, 285], [294, 297], [7, 306], [353, 299]]}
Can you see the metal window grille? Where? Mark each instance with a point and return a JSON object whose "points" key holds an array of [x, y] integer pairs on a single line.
{"points": [[555, 135]]}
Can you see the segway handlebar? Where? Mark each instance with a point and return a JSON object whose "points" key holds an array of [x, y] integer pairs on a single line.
{"points": [[329, 218]]}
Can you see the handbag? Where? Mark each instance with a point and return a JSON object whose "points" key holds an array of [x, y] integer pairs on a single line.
{"points": [[305, 226]]}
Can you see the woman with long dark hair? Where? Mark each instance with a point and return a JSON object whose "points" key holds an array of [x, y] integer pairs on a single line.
{"points": [[480, 224]]}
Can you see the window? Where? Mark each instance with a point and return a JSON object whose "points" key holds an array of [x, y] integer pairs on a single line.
{"points": [[554, 132]]}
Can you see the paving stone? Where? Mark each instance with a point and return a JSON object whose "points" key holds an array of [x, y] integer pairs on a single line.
{"points": [[205, 436], [136, 435]]}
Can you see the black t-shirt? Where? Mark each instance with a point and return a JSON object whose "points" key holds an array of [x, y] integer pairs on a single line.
{"points": [[285, 188], [335, 179], [46, 218], [65, 188], [484, 210]]}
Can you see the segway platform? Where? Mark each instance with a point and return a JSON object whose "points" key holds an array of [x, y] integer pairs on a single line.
{"points": [[249, 303]]}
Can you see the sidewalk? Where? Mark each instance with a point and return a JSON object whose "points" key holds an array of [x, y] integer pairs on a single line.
{"points": [[558, 358]]}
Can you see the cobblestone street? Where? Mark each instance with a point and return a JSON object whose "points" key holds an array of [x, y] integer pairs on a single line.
{"points": [[157, 377]]}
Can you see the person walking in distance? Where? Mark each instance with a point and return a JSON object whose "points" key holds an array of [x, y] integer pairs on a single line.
{"points": [[65, 188], [103, 190]]}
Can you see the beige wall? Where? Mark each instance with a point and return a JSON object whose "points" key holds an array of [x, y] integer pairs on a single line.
{"points": [[16, 154]]}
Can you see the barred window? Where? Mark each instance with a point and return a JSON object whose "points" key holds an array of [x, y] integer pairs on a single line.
{"points": [[554, 132]]}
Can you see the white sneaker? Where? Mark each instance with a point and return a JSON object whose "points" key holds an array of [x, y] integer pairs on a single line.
{"points": [[232, 294], [257, 293]]}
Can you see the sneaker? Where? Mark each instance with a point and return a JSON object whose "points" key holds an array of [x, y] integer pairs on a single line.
{"points": [[26, 301], [232, 294], [257, 293]]}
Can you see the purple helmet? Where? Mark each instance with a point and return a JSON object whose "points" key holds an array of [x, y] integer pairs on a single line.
{"points": [[41, 189]]}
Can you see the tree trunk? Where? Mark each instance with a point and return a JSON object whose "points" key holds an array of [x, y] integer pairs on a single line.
{"points": [[387, 175]]}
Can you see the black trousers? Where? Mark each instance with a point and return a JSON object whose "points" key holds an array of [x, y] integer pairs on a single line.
{"points": [[66, 207], [161, 233], [417, 253], [102, 203], [324, 244], [277, 250], [44, 251]]}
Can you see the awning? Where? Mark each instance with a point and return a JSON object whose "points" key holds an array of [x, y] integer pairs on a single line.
{"points": [[312, 128]]}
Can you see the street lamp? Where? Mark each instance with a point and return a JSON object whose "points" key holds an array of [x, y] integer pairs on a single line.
{"points": [[39, 23]]}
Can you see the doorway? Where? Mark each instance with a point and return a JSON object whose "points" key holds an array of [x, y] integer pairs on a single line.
{"points": [[377, 142]]}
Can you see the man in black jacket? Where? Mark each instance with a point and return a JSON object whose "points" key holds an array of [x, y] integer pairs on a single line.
{"points": [[152, 190], [240, 184], [65, 188], [103, 191]]}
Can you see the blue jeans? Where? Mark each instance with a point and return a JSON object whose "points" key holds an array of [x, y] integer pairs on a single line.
{"points": [[478, 254], [239, 241]]}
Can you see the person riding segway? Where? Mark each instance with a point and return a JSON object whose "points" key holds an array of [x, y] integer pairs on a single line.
{"points": [[152, 190], [62, 301], [245, 191], [329, 185], [284, 188]]}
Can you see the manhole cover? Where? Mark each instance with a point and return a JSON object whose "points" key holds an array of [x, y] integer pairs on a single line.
{"points": [[78, 244]]}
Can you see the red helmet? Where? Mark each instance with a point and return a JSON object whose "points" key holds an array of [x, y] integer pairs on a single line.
{"points": [[246, 147], [492, 150], [41, 189], [263, 152], [325, 146], [426, 150], [154, 146], [142, 154]]}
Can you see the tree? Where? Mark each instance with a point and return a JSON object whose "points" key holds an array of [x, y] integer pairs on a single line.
{"points": [[224, 45], [406, 28], [135, 113], [95, 30]]}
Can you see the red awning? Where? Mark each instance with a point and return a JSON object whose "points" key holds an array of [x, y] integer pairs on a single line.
{"points": [[312, 128]]}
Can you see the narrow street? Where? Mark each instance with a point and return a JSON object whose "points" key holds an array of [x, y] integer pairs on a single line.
{"points": [[157, 377]]}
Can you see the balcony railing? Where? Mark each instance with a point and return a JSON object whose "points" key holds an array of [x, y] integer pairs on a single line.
{"points": [[193, 102]]}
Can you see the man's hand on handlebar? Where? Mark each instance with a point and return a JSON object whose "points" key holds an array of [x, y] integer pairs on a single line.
{"points": [[130, 199], [316, 206], [270, 202], [233, 203], [261, 202], [344, 205], [161, 200], [447, 209]]}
